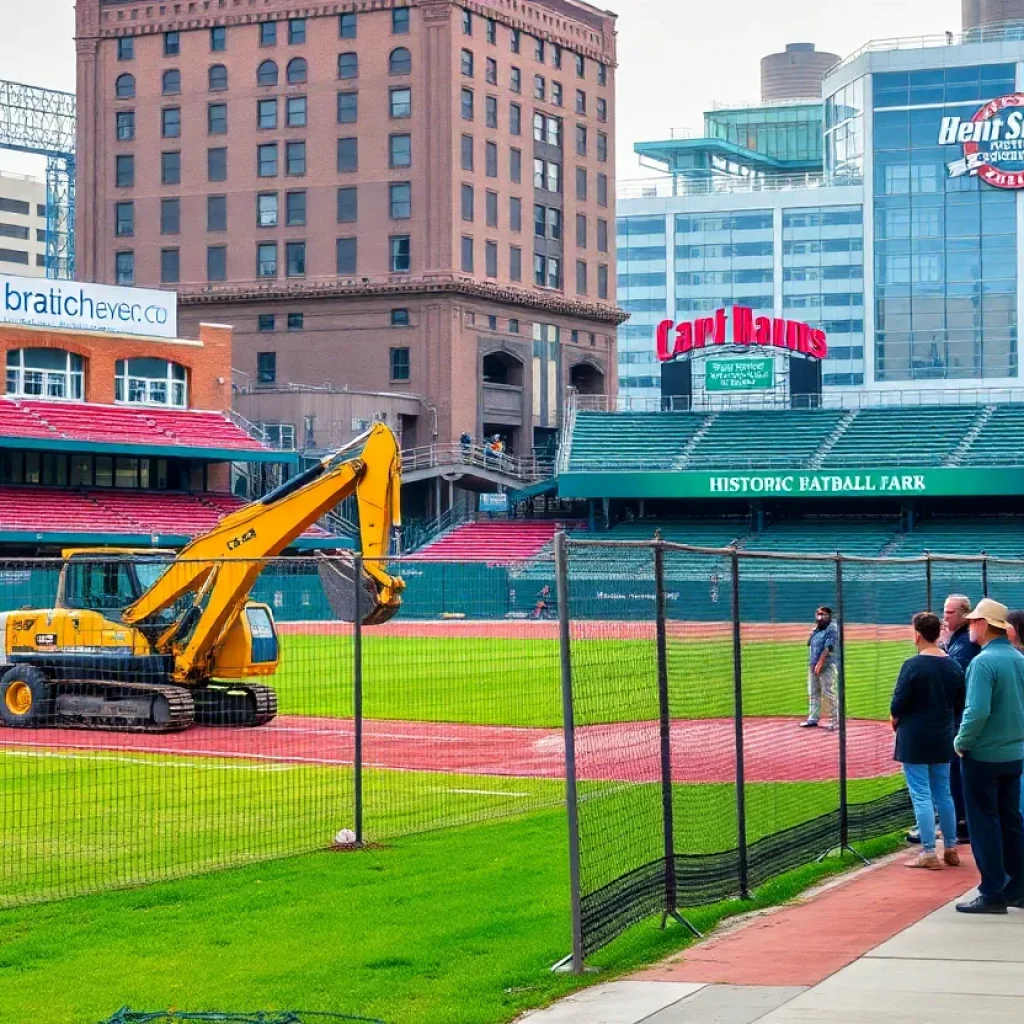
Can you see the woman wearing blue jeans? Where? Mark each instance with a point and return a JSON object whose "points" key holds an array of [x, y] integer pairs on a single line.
{"points": [[929, 694]]}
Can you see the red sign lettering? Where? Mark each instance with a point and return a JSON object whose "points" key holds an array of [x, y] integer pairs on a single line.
{"points": [[676, 340]]}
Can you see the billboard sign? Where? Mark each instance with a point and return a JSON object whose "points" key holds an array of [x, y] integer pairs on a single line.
{"points": [[684, 339], [99, 308], [992, 141], [739, 374]]}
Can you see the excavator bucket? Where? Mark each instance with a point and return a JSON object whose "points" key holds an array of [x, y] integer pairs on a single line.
{"points": [[338, 577]]}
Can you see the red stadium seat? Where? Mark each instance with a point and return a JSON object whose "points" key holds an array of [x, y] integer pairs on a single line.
{"points": [[497, 542]]}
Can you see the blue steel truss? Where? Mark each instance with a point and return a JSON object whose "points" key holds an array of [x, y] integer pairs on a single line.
{"points": [[42, 122]]}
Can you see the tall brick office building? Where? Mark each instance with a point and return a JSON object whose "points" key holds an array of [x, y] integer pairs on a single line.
{"points": [[402, 195]]}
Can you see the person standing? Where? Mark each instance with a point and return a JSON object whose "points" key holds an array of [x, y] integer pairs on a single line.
{"points": [[929, 695], [991, 745], [822, 668]]}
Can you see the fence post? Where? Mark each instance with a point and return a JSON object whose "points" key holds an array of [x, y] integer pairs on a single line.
{"points": [[569, 726], [357, 698], [984, 574], [928, 580], [737, 678], [665, 725]]}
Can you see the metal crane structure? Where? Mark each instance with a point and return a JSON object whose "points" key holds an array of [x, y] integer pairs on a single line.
{"points": [[42, 122]]}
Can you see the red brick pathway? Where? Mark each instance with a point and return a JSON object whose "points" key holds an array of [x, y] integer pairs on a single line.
{"points": [[804, 943]]}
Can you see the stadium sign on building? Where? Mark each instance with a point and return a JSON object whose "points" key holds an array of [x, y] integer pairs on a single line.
{"points": [[993, 142]]}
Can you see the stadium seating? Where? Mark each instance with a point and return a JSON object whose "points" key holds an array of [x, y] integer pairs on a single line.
{"points": [[763, 439], [864, 537], [996, 535], [631, 440], [17, 421], [921, 436], [497, 542], [38, 509], [1003, 428]]}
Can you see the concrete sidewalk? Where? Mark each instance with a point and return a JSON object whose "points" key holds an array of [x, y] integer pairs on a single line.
{"points": [[882, 944]]}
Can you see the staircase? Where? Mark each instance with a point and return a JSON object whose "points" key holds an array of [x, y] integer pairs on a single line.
{"points": [[691, 445], [832, 440], [956, 457]]}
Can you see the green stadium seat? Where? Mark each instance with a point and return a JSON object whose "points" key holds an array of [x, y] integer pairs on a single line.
{"points": [[763, 439]]}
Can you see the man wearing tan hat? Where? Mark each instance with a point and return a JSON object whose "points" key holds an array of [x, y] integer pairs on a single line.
{"points": [[991, 744]]}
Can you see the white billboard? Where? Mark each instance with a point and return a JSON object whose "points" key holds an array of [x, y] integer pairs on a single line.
{"points": [[74, 306]]}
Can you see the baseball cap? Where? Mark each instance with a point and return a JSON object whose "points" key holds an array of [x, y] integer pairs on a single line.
{"points": [[992, 612]]}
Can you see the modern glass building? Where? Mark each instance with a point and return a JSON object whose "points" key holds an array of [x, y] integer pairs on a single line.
{"points": [[890, 235]]}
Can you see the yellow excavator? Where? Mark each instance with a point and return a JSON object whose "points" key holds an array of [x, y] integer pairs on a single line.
{"points": [[146, 641]]}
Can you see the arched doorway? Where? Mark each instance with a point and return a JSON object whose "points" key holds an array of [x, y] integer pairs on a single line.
{"points": [[502, 376], [587, 379]]}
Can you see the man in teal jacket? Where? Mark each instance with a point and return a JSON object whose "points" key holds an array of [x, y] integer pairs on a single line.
{"points": [[991, 744]]}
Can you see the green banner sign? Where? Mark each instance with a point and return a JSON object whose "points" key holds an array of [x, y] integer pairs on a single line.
{"points": [[824, 483], [739, 374]]}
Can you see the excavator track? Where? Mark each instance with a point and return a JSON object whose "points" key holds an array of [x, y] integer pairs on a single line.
{"points": [[239, 705], [122, 707]]}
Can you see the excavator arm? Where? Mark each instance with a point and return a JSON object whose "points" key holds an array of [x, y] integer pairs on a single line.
{"points": [[220, 567]]}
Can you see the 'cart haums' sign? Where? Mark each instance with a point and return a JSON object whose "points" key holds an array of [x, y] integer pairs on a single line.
{"points": [[75, 306], [993, 142], [681, 340]]}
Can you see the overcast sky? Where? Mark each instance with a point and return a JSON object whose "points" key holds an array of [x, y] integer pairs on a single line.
{"points": [[675, 56]]}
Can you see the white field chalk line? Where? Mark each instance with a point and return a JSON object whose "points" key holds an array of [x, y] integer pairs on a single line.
{"points": [[487, 792], [154, 764]]}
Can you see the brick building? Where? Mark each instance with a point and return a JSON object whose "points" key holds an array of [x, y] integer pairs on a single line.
{"points": [[413, 196]]}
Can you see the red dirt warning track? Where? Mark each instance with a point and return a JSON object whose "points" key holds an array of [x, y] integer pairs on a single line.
{"points": [[776, 750]]}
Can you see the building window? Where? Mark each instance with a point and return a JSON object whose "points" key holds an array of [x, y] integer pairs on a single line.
{"points": [[515, 263], [217, 78], [602, 147], [602, 110], [400, 150], [296, 31], [581, 184], [348, 65], [266, 114], [266, 259], [124, 220], [538, 50], [401, 253], [124, 171], [492, 209], [515, 165], [172, 44], [492, 31], [295, 111], [170, 216], [602, 281], [491, 259], [491, 159], [399, 318], [467, 152], [295, 259], [602, 190], [400, 62], [348, 107], [581, 140], [539, 87], [547, 222], [296, 321], [581, 231], [348, 205], [150, 381], [171, 83], [466, 63], [515, 119], [581, 66], [400, 200], [515, 213], [217, 164], [126, 48], [266, 362], [602, 236], [602, 74], [216, 213], [297, 71], [400, 21], [467, 203], [467, 23], [266, 160], [348, 154], [399, 364], [347, 26], [264, 322], [266, 210], [124, 87], [346, 256], [467, 104], [467, 255], [516, 40], [516, 80], [547, 175], [170, 168], [45, 373], [491, 112], [125, 125], [491, 71], [547, 129], [581, 277], [268, 33], [400, 102], [556, 93], [581, 101], [295, 159], [266, 73], [216, 263], [295, 209], [170, 122], [217, 119], [170, 266], [218, 39]]}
